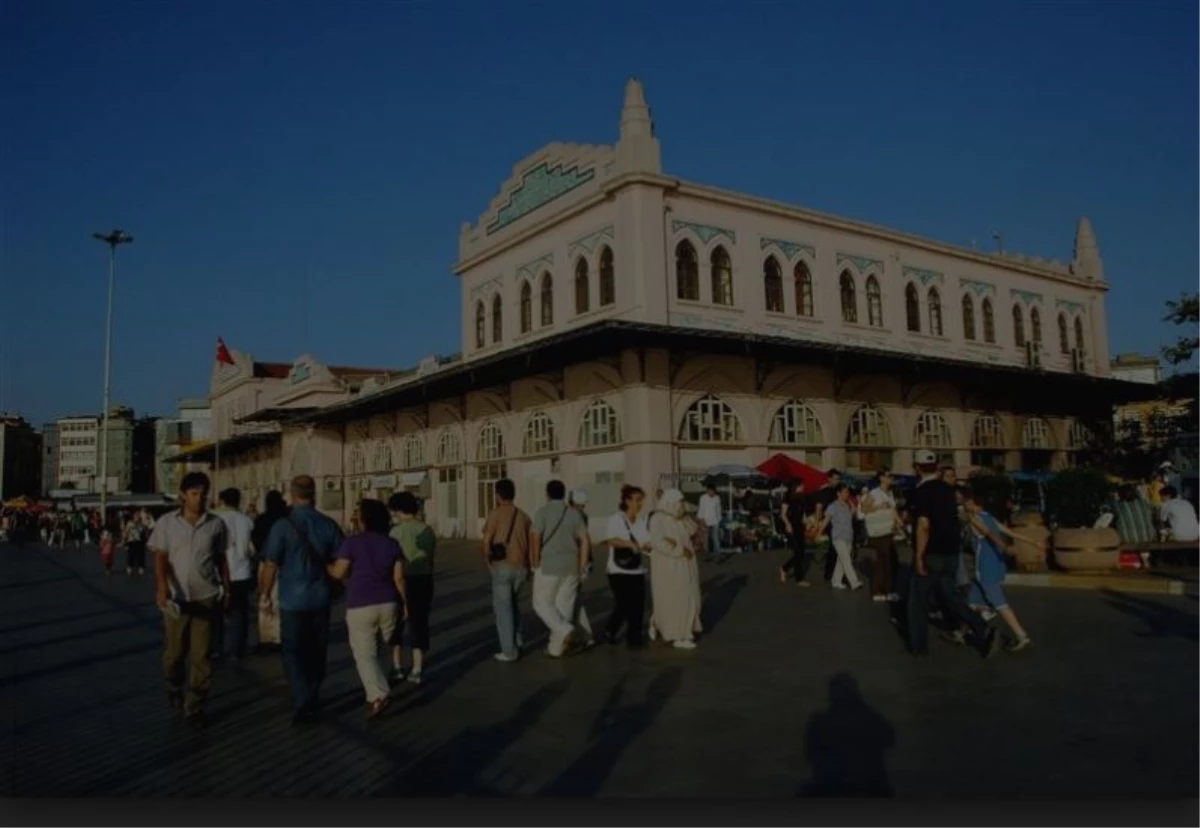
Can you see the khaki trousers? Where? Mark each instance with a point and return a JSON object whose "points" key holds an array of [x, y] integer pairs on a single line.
{"points": [[188, 642]]}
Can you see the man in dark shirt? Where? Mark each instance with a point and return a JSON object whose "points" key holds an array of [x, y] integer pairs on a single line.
{"points": [[821, 500], [934, 512]]}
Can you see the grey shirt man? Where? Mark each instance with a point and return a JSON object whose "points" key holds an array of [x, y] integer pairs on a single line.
{"points": [[841, 522], [195, 553], [560, 547]]}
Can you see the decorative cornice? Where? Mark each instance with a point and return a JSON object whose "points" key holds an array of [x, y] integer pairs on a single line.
{"points": [[923, 276], [486, 285], [978, 288], [1026, 296], [531, 269], [1073, 307], [703, 232], [539, 186], [787, 248], [862, 263], [589, 241]]}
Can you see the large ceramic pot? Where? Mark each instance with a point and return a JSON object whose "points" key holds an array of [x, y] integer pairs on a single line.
{"points": [[1031, 548], [1087, 550]]}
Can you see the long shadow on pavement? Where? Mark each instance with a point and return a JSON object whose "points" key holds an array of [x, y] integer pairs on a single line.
{"points": [[1161, 620], [718, 594], [845, 746], [613, 730]]}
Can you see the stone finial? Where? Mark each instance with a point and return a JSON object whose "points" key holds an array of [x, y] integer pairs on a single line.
{"points": [[638, 149], [1087, 261]]}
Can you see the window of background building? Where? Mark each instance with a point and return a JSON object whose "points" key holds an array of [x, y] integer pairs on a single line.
{"points": [[804, 290], [608, 281], [539, 435], [710, 420], [547, 300], [581, 286], [599, 426], [414, 451], [796, 425], [773, 285], [687, 272], [912, 308], [849, 298], [526, 307], [722, 277], [968, 315], [868, 440], [874, 303]]}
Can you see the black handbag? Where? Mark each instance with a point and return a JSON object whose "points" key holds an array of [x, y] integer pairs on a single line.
{"points": [[499, 551], [627, 558]]}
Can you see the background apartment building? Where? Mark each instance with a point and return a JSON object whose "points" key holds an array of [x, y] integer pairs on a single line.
{"points": [[20, 458]]}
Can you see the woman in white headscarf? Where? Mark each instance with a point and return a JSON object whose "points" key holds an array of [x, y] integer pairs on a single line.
{"points": [[674, 574]]}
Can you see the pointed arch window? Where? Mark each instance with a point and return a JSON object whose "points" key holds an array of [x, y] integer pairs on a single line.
{"points": [[480, 324], [1035, 325], [497, 319], [912, 308], [722, 277], [773, 285], [710, 420], [935, 312], [796, 424], [449, 448], [687, 272], [968, 315], [599, 426], [608, 283], [491, 443], [382, 459], [414, 451], [547, 299], [874, 303], [581, 286], [358, 459], [849, 298], [804, 290], [1064, 340], [989, 321], [1018, 326], [1079, 334], [539, 435], [526, 307]]}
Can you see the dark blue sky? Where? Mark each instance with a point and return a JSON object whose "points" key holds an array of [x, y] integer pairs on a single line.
{"points": [[252, 146]]}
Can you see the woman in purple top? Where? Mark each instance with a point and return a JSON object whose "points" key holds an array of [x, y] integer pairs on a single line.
{"points": [[370, 563]]}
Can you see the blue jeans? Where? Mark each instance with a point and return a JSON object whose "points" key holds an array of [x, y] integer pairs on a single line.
{"points": [[506, 587], [714, 540], [305, 640], [236, 627]]}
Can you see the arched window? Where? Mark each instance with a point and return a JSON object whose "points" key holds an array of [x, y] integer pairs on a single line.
{"points": [[932, 431], [1018, 326], [987, 433], [449, 448], [935, 312], [968, 312], [687, 272], [796, 424], [539, 435], [526, 307], [849, 299], [480, 324], [608, 281], [874, 303], [414, 451], [1064, 340], [989, 321], [491, 443], [912, 307], [381, 460], [1035, 325], [722, 277], [773, 285], [710, 420], [868, 427], [804, 290], [1035, 434], [1079, 334], [357, 462], [581, 286], [599, 426], [1080, 437], [497, 319], [547, 299]]}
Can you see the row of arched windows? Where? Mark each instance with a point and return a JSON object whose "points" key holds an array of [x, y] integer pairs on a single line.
{"points": [[608, 296]]}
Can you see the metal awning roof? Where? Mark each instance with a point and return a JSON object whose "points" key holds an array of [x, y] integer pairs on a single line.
{"points": [[206, 452], [275, 415]]}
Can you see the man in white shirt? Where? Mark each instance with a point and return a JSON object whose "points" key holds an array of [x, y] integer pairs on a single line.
{"points": [[239, 558], [1178, 516], [709, 514]]}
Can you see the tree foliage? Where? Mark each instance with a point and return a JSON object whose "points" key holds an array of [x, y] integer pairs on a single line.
{"points": [[1185, 311]]}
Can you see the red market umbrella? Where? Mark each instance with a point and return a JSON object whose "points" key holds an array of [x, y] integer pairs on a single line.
{"points": [[782, 467]]}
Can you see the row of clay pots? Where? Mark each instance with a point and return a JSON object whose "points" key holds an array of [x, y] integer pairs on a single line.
{"points": [[1075, 550]]}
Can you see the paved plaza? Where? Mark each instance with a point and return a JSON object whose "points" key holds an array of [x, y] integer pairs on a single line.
{"points": [[791, 693]]}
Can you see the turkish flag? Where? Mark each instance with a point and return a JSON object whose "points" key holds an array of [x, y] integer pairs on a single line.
{"points": [[223, 355]]}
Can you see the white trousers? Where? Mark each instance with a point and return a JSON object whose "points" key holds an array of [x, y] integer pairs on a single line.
{"points": [[365, 626], [556, 602], [845, 564]]}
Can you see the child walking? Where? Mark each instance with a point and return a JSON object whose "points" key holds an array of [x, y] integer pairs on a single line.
{"points": [[987, 588]]}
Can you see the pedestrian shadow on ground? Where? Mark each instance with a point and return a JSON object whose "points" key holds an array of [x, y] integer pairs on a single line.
{"points": [[457, 767], [1161, 621], [845, 746], [717, 595], [614, 729]]}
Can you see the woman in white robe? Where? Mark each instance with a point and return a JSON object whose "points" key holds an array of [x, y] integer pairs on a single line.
{"points": [[674, 575]]}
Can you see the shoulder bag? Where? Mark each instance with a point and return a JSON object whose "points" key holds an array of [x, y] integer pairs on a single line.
{"points": [[627, 558], [499, 551]]}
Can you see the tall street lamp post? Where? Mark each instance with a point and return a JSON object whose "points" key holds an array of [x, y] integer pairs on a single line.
{"points": [[113, 240]]}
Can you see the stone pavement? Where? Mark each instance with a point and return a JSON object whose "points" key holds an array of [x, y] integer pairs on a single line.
{"points": [[1104, 705]]}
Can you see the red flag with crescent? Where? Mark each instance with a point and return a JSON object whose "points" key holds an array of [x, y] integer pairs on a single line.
{"points": [[223, 355]]}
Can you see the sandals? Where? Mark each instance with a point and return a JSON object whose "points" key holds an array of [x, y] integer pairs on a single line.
{"points": [[375, 709]]}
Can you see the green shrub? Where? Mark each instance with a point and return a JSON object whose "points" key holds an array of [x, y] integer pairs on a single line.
{"points": [[1075, 498]]}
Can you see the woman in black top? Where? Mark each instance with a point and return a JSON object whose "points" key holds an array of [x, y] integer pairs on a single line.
{"points": [[793, 522]]}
